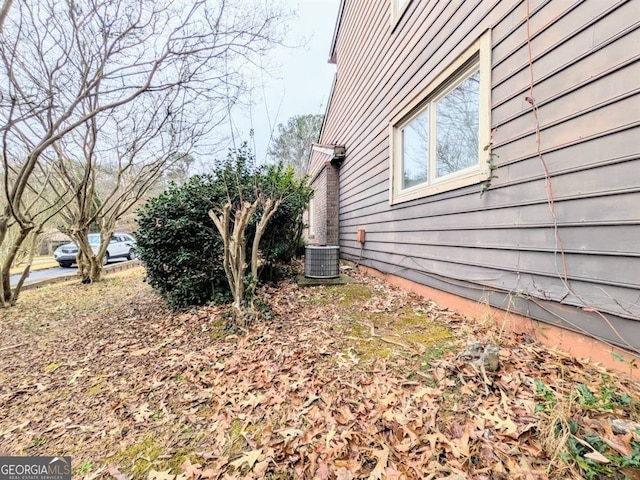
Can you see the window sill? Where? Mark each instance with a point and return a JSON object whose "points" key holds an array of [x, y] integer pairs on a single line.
{"points": [[471, 176]]}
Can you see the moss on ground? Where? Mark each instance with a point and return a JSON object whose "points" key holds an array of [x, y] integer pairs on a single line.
{"points": [[236, 440], [341, 295], [375, 334], [409, 328], [351, 294], [146, 455], [96, 389], [140, 457], [217, 329], [51, 367]]}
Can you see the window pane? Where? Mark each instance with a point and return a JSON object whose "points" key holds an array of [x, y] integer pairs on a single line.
{"points": [[415, 151], [457, 125]]}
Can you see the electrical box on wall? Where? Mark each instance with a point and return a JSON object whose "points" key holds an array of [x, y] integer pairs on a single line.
{"points": [[361, 235]]}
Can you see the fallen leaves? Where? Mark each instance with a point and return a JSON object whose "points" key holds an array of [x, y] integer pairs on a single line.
{"points": [[115, 473], [141, 392], [496, 421], [250, 458], [382, 458]]}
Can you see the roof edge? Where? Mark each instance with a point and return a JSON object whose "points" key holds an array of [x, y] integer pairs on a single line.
{"points": [[333, 55], [334, 150]]}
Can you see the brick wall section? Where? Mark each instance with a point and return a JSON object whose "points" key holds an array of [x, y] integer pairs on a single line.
{"points": [[332, 205], [325, 202], [320, 204]]}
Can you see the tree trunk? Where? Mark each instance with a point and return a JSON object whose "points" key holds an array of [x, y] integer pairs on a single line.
{"points": [[270, 207], [95, 271], [25, 272], [7, 295], [80, 238], [235, 252], [89, 263]]}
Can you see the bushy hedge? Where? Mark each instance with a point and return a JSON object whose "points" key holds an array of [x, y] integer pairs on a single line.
{"points": [[181, 248]]}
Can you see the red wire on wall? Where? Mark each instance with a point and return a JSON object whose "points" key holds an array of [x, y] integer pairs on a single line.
{"points": [[564, 276]]}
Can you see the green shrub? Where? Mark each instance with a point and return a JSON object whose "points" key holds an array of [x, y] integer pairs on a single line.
{"points": [[178, 245], [181, 248], [283, 238]]}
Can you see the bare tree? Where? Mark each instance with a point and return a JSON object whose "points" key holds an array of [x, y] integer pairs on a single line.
{"points": [[41, 201], [232, 220], [119, 158], [232, 224], [6, 5], [292, 144], [67, 64], [180, 169]]}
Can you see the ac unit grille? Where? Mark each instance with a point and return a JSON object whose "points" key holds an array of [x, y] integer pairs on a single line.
{"points": [[322, 261]]}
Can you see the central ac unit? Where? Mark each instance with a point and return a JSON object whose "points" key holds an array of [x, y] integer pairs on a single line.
{"points": [[322, 261]]}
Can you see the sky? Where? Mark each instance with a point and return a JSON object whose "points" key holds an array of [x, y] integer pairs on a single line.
{"points": [[300, 79]]}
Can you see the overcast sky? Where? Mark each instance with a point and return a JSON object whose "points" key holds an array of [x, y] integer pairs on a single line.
{"points": [[301, 77]]}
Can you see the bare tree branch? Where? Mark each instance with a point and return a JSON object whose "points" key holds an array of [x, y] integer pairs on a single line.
{"points": [[74, 74]]}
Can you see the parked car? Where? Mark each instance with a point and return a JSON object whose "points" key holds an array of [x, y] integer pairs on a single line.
{"points": [[121, 245]]}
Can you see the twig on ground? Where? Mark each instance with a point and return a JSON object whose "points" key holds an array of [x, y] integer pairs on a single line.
{"points": [[9, 347]]}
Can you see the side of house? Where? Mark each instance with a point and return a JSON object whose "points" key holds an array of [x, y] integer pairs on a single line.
{"points": [[432, 98]]}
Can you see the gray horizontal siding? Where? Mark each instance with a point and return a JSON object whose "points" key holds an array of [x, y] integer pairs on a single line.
{"points": [[586, 59], [618, 240], [623, 271], [616, 300], [590, 212], [542, 309], [559, 47]]}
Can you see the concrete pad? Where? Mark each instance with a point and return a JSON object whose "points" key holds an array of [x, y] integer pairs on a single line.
{"points": [[314, 282]]}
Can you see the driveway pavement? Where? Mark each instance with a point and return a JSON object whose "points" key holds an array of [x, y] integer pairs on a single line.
{"points": [[49, 273]]}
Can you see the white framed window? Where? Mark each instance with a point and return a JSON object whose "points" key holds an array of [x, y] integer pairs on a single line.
{"points": [[438, 139], [397, 8]]}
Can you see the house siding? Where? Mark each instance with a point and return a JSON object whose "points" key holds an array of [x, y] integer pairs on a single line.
{"points": [[502, 247]]}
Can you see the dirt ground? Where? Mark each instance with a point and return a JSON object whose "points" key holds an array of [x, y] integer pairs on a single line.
{"points": [[344, 382]]}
